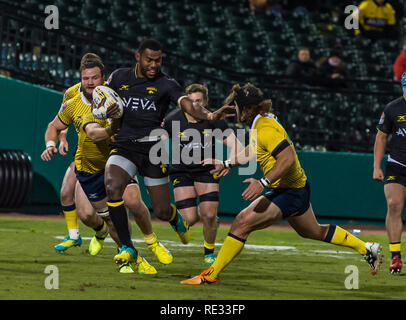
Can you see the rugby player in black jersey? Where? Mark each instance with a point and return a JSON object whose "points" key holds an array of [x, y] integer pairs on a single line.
{"points": [[146, 93], [192, 180], [393, 122]]}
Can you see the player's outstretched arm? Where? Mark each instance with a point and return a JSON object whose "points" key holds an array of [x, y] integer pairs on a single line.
{"points": [[236, 147], [202, 113], [243, 157]]}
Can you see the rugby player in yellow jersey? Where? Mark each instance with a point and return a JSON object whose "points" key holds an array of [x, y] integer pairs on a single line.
{"points": [[67, 192], [90, 159], [288, 196]]}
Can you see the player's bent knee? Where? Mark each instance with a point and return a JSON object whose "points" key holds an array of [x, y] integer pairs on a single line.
{"points": [[395, 206], [67, 194], [163, 212], [241, 222], [114, 189]]}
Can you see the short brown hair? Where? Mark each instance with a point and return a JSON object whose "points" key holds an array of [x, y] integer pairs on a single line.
{"points": [[197, 87], [91, 60]]}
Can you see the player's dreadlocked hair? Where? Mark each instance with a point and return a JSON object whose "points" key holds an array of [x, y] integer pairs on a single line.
{"points": [[250, 101]]}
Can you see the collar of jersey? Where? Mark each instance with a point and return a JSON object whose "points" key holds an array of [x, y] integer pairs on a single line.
{"points": [[255, 120], [84, 100]]}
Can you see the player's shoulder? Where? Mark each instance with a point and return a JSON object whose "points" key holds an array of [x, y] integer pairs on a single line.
{"points": [[70, 103], [175, 114], [399, 102], [165, 78], [269, 124], [72, 91], [267, 120], [119, 74], [388, 6]]}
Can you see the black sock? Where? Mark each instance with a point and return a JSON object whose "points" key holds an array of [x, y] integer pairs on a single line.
{"points": [[396, 253], [208, 251], [118, 215]]}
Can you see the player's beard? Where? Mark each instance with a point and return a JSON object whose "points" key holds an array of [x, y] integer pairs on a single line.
{"points": [[88, 96], [144, 72]]}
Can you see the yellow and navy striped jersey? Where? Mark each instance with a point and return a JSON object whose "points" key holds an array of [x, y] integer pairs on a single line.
{"points": [[267, 139], [90, 157], [71, 92]]}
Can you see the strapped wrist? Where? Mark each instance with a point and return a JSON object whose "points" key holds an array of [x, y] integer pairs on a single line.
{"points": [[265, 182], [227, 164], [50, 144]]}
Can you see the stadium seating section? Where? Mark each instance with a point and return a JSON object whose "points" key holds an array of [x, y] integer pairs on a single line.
{"points": [[216, 43]]}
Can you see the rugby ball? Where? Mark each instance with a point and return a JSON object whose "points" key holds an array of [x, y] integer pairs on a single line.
{"points": [[111, 96]]}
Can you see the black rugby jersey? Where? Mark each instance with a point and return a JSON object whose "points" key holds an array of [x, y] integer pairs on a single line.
{"points": [[200, 139], [145, 101], [393, 122]]}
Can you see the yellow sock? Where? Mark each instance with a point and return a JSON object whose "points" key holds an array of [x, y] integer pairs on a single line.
{"points": [[150, 238], [341, 237], [394, 246], [231, 247], [208, 247], [71, 218], [101, 230]]}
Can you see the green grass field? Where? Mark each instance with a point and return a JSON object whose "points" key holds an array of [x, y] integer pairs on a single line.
{"points": [[274, 264]]}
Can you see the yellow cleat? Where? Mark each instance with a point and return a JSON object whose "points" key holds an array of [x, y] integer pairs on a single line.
{"points": [[143, 267], [96, 245], [126, 255], [125, 268], [68, 243], [164, 256]]}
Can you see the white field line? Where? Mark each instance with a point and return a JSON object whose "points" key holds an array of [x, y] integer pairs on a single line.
{"points": [[177, 244], [252, 248]]}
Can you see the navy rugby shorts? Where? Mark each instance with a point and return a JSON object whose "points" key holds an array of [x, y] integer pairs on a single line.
{"points": [[291, 201]]}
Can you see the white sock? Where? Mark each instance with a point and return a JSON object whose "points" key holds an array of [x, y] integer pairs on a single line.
{"points": [[74, 234]]}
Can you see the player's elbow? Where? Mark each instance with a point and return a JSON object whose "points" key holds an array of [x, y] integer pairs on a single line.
{"points": [[93, 135], [96, 138]]}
